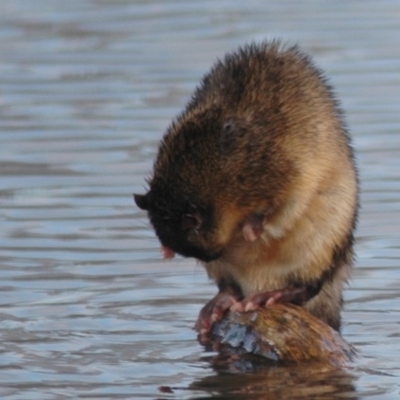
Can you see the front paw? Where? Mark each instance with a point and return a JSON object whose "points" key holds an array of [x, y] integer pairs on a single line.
{"points": [[293, 295], [214, 311]]}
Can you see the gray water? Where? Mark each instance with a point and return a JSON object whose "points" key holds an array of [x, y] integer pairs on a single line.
{"points": [[88, 309]]}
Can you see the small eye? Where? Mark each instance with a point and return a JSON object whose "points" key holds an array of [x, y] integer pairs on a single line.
{"points": [[189, 222]]}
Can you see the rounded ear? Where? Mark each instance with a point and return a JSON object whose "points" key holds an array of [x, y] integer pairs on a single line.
{"points": [[141, 201], [231, 131]]}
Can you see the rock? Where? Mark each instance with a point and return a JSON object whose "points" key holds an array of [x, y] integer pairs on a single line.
{"points": [[284, 333]]}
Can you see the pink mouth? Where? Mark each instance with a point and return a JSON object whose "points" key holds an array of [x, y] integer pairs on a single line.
{"points": [[167, 252]]}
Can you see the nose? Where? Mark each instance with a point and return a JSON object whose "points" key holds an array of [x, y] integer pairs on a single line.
{"points": [[141, 201]]}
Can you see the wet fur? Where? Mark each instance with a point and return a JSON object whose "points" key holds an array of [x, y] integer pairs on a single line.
{"points": [[262, 139]]}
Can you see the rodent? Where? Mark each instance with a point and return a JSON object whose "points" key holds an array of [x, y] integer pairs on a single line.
{"points": [[256, 179]]}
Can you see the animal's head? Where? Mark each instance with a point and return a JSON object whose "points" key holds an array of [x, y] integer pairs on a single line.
{"points": [[215, 179]]}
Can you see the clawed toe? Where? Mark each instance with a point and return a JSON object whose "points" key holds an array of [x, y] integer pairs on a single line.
{"points": [[213, 311]]}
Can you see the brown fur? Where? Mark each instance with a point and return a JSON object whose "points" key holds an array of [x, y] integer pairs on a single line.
{"points": [[261, 140]]}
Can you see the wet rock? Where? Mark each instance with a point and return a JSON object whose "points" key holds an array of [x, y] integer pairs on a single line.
{"points": [[284, 333]]}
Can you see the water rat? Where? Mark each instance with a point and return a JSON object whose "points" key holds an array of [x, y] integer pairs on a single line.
{"points": [[256, 179]]}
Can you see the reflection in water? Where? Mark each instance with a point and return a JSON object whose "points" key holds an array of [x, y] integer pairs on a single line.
{"points": [[87, 307], [308, 381]]}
